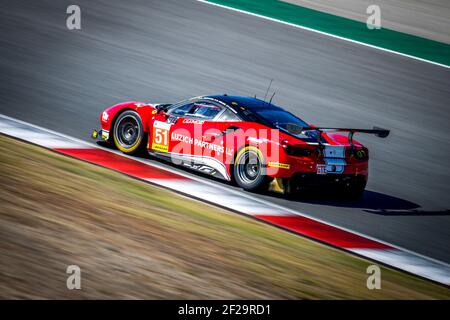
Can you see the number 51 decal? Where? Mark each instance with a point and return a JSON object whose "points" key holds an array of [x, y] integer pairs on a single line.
{"points": [[160, 136]]}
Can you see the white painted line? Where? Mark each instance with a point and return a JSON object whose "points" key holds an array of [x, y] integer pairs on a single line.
{"points": [[223, 198], [42, 139], [325, 33]]}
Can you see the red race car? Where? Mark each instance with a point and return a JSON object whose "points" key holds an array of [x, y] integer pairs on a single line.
{"points": [[241, 139]]}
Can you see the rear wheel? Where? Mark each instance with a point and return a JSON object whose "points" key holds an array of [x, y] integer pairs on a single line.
{"points": [[249, 170], [128, 132]]}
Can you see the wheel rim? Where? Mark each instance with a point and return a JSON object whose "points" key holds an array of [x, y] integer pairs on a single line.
{"points": [[249, 167], [128, 131]]}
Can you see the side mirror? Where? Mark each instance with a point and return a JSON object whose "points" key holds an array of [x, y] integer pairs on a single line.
{"points": [[161, 108]]}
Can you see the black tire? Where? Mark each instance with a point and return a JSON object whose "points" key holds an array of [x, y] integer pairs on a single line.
{"points": [[249, 170], [128, 133]]}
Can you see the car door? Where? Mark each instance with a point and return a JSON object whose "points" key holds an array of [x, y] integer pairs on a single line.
{"points": [[229, 125], [194, 130], [193, 138]]}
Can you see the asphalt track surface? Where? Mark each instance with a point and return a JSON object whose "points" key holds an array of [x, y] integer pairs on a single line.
{"points": [[165, 51]]}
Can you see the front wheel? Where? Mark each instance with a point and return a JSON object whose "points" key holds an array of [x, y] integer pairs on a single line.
{"points": [[128, 133], [249, 170]]}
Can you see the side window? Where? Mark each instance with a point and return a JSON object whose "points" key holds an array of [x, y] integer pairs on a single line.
{"points": [[181, 110], [204, 110], [228, 115]]}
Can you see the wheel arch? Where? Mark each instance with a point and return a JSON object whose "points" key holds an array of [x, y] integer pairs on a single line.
{"points": [[144, 111]]}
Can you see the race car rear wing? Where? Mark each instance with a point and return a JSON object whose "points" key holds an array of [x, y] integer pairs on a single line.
{"points": [[379, 132]]}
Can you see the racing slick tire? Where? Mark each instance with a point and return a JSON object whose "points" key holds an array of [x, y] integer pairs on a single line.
{"points": [[128, 132], [249, 170]]}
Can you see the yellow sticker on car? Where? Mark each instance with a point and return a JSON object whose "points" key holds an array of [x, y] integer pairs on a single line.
{"points": [[160, 136], [279, 165]]}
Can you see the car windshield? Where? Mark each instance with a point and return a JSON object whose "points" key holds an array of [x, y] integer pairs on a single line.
{"points": [[286, 122]]}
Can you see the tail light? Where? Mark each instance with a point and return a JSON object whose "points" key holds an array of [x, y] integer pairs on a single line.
{"points": [[358, 153]]}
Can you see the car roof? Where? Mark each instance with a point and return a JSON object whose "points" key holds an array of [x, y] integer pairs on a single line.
{"points": [[236, 102], [244, 106]]}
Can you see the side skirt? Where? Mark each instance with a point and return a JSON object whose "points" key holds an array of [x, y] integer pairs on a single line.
{"points": [[206, 165]]}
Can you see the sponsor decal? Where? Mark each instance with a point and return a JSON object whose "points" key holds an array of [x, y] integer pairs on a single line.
{"points": [[279, 165], [160, 136], [181, 138], [200, 143], [194, 121]]}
